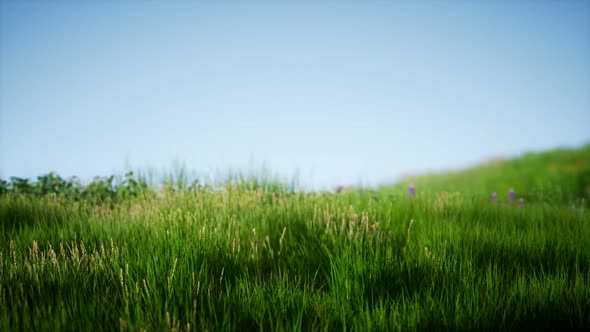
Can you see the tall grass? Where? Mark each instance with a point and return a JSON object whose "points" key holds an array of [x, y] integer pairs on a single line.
{"points": [[260, 256]]}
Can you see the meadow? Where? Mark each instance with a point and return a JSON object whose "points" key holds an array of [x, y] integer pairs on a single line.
{"points": [[255, 254]]}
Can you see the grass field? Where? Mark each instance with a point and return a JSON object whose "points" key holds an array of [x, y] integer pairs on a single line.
{"points": [[252, 256]]}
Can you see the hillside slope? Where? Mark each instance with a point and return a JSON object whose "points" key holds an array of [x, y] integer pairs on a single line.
{"points": [[560, 175]]}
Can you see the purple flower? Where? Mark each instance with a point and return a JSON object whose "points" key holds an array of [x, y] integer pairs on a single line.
{"points": [[339, 189], [520, 202], [412, 190], [511, 195], [494, 198]]}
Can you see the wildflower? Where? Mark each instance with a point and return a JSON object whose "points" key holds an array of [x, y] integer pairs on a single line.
{"points": [[412, 190], [338, 189], [520, 203], [511, 195], [494, 198]]}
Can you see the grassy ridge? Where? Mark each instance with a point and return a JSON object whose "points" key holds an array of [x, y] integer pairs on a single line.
{"points": [[248, 258], [558, 176]]}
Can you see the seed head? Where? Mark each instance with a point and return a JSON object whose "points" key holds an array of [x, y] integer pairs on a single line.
{"points": [[145, 287], [282, 237]]}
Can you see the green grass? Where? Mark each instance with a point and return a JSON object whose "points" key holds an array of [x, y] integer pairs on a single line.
{"points": [[252, 257]]}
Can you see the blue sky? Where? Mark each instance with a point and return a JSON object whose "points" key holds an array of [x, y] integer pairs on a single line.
{"points": [[339, 92]]}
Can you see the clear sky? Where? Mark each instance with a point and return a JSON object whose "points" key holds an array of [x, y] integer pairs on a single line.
{"points": [[345, 92]]}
